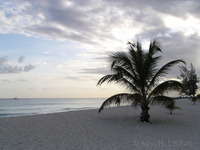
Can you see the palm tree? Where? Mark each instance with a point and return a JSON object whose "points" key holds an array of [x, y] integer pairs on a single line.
{"points": [[138, 71], [171, 107]]}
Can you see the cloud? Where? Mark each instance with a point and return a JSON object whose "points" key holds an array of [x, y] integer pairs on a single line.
{"points": [[11, 67], [22, 80], [3, 60], [102, 26], [21, 59], [13, 81], [94, 22], [5, 80], [80, 22], [27, 68], [82, 78], [176, 45], [45, 89], [88, 21], [100, 70]]}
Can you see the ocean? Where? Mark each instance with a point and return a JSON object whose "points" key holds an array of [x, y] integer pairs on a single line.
{"points": [[34, 106]]}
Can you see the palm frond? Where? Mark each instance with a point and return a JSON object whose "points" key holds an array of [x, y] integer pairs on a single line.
{"points": [[172, 106], [194, 99], [154, 47], [128, 85], [120, 59], [165, 87], [150, 67], [132, 51], [136, 99], [163, 71], [118, 78], [127, 78], [116, 99], [139, 49], [109, 78], [162, 100]]}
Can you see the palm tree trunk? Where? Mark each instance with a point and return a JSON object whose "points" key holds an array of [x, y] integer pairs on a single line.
{"points": [[193, 99], [144, 116], [170, 112]]}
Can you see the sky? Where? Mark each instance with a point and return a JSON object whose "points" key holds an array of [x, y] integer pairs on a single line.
{"points": [[60, 48]]}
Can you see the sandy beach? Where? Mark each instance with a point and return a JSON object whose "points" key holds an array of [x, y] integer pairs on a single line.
{"points": [[113, 129]]}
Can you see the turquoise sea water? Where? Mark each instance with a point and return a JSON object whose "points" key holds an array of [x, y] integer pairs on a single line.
{"points": [[32, 106]]}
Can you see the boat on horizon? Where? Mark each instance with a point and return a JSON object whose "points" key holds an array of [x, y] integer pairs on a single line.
{"points": [[15, 97]]}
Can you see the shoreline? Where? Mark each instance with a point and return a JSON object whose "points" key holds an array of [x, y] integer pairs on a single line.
{"points": [[113, 129], [36, 114], [26, 107]]}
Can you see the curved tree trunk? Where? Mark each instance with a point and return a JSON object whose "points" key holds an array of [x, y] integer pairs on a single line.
{"points": [[144, 116]]}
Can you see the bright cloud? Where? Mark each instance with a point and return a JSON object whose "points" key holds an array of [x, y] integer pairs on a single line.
{"points": [[188, 25]]}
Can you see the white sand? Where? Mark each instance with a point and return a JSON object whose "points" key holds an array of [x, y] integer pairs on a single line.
{"points": [[113, 129]]}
